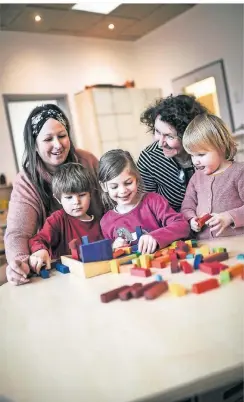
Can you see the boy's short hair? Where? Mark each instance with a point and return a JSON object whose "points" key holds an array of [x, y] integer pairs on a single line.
{"points": [[72, 178], [206, 132]]}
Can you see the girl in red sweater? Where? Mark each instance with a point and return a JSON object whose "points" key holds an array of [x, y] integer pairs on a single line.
{"points": [[73, 186]]}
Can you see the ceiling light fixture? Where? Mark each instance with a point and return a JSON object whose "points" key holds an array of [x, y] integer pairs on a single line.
{"points": [[38, 18], [111, 26], [101, 8]]}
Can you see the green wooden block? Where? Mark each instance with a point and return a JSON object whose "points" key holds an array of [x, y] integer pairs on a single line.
{"points": [[219, 250], [194, 242], [137, 262], [224, 277]]}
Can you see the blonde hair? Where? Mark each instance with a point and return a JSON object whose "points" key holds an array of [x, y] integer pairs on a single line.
{"points": [[206, 132], [111, 164]]}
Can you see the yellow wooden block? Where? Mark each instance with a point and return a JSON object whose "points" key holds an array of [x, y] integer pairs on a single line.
{"points": [[114, 266], [87, 269], [136, 261], [204, 250], [126, 258], [127, 250], [173, 245], [145, 261], [188, 242], [177, 290]]}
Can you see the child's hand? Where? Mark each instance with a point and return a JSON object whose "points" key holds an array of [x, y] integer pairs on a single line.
{"points": [[194, 225], [38, 259], [147, 244], [119, 242], [220, 222]]}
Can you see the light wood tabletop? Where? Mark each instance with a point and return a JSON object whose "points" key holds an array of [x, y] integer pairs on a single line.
{"points": [[59, 343]]}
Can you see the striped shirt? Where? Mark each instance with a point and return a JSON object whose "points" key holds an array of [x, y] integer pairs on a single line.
{"points": [[163, 175]]}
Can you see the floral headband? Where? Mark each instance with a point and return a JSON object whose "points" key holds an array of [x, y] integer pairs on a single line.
{"points": [[38, 121]]}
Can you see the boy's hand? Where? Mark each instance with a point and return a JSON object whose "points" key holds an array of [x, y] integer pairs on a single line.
{"points": [[17, 272], [147, 244], [119, 242], [194, 225], [220, 222], [38, 259]]}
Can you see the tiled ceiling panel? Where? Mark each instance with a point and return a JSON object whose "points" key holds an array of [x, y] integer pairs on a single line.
{"points": [[131, 21]]}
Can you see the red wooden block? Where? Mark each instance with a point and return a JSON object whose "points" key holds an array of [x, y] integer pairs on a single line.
{"points": [[126, 294], [212, 268], [117, 253], [242, 274], [112, 294], [156, 290], [136, 293], [186, 267], [174, 266], [158, 264], [74, 247], [172, 254], [201, 221], [182, 246], [157, 254], [216, 257], [181, 254], [204, 286], [140, 272]]}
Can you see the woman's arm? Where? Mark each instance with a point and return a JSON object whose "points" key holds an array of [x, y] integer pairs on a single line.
{"points": [[144, 166]]}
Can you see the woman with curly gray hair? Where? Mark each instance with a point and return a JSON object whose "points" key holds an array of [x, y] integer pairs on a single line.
{"points": [[164, 165]]}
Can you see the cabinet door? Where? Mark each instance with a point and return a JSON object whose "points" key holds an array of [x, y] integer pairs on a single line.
{"points": [[103, 101], [126, 127], [107, 126], [121, 100]]}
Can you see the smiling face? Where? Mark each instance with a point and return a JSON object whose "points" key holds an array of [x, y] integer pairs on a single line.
{"points": [[76, 204], [209, 161], [167, 138], [53, 144], [123, 189]]}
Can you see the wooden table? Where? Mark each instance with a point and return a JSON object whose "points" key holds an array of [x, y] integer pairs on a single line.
{"points": [[59, 343]]}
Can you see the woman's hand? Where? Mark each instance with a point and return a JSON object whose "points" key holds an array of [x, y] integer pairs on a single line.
{"points": [[194, 225], [38, 259], [147, 244], [219, 222], [17, 272]]}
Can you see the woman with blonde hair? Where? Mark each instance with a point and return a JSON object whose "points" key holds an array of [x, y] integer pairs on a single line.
{"points": [[217, 187]]}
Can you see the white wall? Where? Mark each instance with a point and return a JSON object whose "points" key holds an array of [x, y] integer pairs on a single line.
{"points": [[43, 64], [197, 37]]}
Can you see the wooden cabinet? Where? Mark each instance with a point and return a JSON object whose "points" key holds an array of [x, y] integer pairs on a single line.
{"points": [[110, 118]]}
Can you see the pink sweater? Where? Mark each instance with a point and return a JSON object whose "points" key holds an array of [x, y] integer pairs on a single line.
{"points": [[220, 193], [154, 215], [26, 214]]}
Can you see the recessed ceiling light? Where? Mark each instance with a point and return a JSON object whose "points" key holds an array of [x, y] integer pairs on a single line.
{"points": [[101, 8], [38, 18], [111, 26]]}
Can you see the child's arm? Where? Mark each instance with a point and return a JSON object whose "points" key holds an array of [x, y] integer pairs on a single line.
{"points": [[174, 225], [41, 244], [189, 205]]}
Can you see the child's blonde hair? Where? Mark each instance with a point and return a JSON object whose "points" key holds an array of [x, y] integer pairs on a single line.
{"points": [[207, 131], [111, 164]]}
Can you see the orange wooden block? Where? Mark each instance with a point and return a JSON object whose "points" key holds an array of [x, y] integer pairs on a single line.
{"points": [[117, 253], [157, 264], [124, 269], [236, 270], [157, 254]]}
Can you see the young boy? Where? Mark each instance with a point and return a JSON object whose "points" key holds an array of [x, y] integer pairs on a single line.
{"points": [[73, 187]]}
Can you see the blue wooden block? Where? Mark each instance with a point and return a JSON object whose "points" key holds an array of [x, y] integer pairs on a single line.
{"points": [[127, 262], [197, 260], [139, 232], [158, 278], [62, 268], [85, 240], [240, 257], [134, 248], [44, 273], [189, 256], [98, 251]]}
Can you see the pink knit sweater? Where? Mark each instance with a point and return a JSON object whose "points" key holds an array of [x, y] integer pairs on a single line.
{"points": [[26, 214], [220, 193]]}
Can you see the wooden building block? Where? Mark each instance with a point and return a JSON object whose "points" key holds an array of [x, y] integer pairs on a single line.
{"points": [[156, 290], [224, 277], [112, 294], [217, 257], [201, 221], [145, 261], [197, 260], [136, 293], [204, 250], [177, 290], [236, 270], [182, 246], [212, 268], [181, 254], [157, 264], [186, 267], [114, 266], [126, 294], [136, 262], [218, 250], [125, 268], [140, 272], [205, 286], [87, 269], [127, 249], [118, 252], [175, 267]]}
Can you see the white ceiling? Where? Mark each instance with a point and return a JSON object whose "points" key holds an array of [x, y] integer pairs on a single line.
{"points": [[132, 21]]}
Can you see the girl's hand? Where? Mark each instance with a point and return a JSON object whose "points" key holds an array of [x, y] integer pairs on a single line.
{"points": [[220, 222], [38, 259], [119, 242], [147, 244], [17, 272], [194, 225]]}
